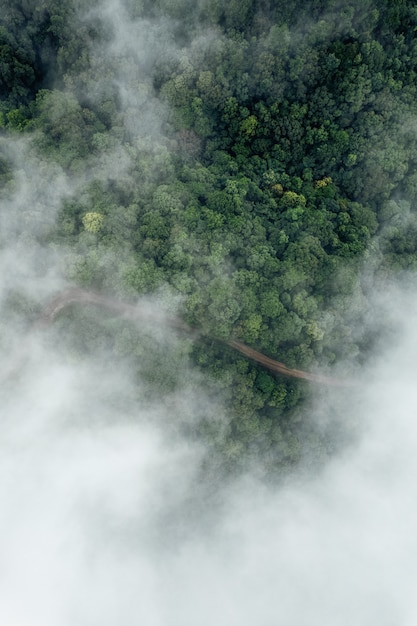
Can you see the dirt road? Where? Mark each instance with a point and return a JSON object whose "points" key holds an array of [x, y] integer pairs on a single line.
{"points": [[75, 295]]}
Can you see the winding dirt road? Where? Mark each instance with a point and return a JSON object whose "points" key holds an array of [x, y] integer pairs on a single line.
{"points": [[281, 368], [82, 296]]}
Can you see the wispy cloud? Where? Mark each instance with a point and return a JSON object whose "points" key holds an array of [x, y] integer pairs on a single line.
{"points": [[106, 513]]}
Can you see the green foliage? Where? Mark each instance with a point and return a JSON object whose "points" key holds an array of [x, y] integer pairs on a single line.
{"points": [[93, 221], [289, 147]]}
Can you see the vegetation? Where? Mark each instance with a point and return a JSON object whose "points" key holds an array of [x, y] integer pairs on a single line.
{"points": [[263, 152]]}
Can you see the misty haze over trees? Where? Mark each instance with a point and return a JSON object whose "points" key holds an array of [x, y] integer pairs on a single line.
{"points": [[178, 179], [251, 165]]}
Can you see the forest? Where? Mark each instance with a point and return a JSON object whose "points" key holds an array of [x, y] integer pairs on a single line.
{"points": [[262, 158]]}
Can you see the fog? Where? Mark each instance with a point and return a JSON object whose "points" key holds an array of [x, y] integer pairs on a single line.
{"points": [[105, 516]]}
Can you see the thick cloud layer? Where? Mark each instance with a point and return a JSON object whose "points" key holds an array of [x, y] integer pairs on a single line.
{"points": [[105, 519], [98, 523], [104, 516]]}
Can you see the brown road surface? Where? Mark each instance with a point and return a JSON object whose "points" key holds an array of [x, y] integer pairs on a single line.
{"points": [[83, 296]]}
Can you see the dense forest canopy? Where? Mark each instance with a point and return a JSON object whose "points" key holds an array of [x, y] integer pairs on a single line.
{"points": [[263, 158]]}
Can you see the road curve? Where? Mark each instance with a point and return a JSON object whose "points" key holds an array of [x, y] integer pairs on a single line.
{"points": [[75, 295], [281, 368]]}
